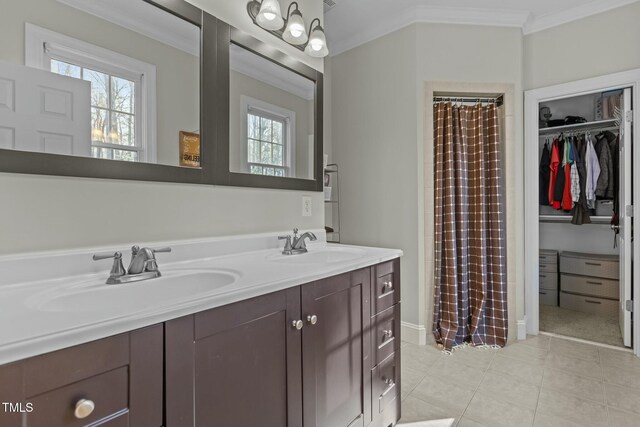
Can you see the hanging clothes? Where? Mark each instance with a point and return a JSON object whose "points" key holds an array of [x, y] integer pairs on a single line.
{"points": [[575, 176], [604, 188], [593, 173], [553, 171], [544, 175], [558, 191], [580, 212], [567, 200], [614, 144]]}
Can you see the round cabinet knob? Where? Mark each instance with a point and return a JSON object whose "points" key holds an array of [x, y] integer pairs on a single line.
{"points": [[84, 408], [387, 333], [388, 285], [297, 324], [312, 319], [389, 382]]}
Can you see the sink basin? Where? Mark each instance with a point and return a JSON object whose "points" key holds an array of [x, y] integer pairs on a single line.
{"points": [[320, 256], [172, 287]]}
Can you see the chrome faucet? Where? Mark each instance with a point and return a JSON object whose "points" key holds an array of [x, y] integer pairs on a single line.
{"points": [[296, 244], [143, 265]]}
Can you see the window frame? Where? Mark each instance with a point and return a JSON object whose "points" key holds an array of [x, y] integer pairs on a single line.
{"points": [[43, 45], [272, 112]]}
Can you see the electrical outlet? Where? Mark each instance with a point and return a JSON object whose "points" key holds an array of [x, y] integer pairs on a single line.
{"points": [[306, 206]]}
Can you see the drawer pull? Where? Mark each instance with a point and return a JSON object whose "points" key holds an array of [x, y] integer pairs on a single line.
{"points": [[594, 283], [595, 264], [297, 324], [592, 302], [84, 408], [543, 275], [542, 293], [312, 320], [388, 285]]}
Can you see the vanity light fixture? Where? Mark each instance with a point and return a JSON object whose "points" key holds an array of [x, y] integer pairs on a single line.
{"points": [[269, 16], [266, 14]]}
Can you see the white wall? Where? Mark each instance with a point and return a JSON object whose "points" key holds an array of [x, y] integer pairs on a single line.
{"points": [[597, 45], [377, 116], [41, 212]]}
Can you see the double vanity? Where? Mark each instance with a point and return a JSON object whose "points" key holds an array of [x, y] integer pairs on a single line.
{"points": [[233, 332]]}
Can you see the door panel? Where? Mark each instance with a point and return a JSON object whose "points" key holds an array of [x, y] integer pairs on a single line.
{"points": [[332, 353], [625, 237]]}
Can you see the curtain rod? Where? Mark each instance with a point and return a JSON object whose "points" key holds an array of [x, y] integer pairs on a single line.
{"points": [[499, 100]]}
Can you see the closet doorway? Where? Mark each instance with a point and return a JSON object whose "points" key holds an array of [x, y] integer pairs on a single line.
{"points": [[579, 210]]}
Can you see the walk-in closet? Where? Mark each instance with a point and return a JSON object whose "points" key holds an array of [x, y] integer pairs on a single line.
{"points": [[585, 178]]}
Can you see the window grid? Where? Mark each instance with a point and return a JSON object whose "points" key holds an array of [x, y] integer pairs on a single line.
{"points": [[266, 144], [112, 121]]}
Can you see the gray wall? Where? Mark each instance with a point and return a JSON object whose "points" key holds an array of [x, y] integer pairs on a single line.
{"points": [[177, 72], [40, 213], [597, 45]]}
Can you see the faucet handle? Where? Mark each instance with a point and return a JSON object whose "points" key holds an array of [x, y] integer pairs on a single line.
{"points": [[287, 245], [295, 231], [117, 269], [157, 250], [107, 255]]}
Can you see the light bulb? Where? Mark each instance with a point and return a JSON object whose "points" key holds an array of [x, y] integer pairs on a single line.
{"points": [[269, 17], [295, 32], [317, 46]]}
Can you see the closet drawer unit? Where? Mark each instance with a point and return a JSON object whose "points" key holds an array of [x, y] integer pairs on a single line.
{"points": [[594, 286], [386, 331], [548, 256], [548, 280], [548, 267], [386, 286], [605, 266], [548, 297], [591, 305], [385, 384]]}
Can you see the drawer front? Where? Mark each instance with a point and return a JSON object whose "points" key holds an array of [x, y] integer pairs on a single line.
{"points": [[548, 280], [548, 297], [385, 384], [590, 305], [548, 257], [386, 333], [548, 267], [108, 391], [591, 286], [595, 267], [385, 289]]}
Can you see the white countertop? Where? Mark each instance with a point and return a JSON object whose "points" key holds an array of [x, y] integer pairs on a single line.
{"points": [[32, 325]]}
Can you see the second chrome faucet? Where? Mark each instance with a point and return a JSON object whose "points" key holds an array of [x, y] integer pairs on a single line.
{"points": [[143, 265], [296, 244]]}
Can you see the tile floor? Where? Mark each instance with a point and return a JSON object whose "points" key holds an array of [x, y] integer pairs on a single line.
{"points": [[541, 382], [591, 327]]}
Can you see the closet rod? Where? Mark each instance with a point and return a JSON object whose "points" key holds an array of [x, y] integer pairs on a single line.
{"points": [[498, 101], [578, 131]]}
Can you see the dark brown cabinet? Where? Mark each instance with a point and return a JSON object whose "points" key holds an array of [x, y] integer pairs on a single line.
{"points": [[115, 382]]}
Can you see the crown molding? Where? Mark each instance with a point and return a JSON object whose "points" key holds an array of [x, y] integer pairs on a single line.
{"points": [[145, 19], [551, 20], [414, 13]]}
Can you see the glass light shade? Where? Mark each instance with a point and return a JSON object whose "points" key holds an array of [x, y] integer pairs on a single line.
{"points": [[317, 46], [295, 33], [269, 17]]}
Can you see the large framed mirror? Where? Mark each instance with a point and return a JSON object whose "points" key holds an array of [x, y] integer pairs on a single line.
{"points": [[273, 106], [106, 89]]}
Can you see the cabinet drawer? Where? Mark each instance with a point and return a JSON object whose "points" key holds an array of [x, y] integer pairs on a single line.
{"points": [[591, 286], [385, 384], [386, 333], [108, 391], [550, 267], [607, 267], [385, 289], [548, 297], [590, 305], [548, 280], [548, 256]]}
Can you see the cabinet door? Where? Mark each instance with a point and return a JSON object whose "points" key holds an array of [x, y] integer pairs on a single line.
{"points": [[332, 350], [237, 365]]}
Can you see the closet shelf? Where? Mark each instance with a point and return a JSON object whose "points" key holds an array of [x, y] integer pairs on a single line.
{"points": [[601, 124], [567, 219]]}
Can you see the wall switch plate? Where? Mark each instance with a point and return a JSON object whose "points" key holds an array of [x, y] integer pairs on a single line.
{"points": [[306, 206]]}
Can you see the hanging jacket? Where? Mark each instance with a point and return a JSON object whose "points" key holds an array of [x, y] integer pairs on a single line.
{"points": [[553, 171], [575, 176], [545, 162], [593, 172], [567, 200], [580, 210], [604, 188], [558, 191], [614, 144]]}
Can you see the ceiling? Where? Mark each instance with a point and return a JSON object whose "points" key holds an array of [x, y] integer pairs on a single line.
{"points": [[350, 23]]}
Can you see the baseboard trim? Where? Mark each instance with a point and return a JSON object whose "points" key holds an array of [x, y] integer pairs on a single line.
{"points": [[522, 329], [415, 334]]}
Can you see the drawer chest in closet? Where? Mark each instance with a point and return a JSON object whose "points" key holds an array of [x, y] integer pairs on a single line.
{"points": [[589, 282], [548, 277]]}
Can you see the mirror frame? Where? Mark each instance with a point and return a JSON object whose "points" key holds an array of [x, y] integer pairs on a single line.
{"points": [[25, 162], [222, 173]]}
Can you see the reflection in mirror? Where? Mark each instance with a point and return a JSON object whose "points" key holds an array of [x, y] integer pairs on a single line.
{"points": [[271, 118], [112, 80]]}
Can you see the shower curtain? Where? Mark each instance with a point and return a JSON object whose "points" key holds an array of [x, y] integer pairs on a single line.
{"points": [[470, 261]]}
